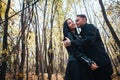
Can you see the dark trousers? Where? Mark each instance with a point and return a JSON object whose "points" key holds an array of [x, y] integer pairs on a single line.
{"points": [[103, 73], [77, 71]]}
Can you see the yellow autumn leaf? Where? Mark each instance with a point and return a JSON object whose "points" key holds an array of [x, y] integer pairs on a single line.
{"points": [[0, 51], [2, 9], [3, 5], [50, 50], [5, 51], [109, 12]]}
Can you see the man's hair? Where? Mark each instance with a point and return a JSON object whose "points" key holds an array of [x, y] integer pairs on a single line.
{"points": [[82, 16]]}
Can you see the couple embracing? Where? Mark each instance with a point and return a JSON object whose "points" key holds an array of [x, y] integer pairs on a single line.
{"points": [[88, 59]]}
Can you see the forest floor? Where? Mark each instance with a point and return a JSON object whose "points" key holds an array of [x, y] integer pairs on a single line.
{"points": [[116, 78], [54, 77]]}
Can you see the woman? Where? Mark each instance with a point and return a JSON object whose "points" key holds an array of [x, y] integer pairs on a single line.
{"points": [[78, 67]]}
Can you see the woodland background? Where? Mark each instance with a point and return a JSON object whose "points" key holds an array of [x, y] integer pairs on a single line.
{"points": [[31, 46]]}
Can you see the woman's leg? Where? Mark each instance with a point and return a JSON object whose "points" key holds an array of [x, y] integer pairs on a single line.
{"points": [[67, 73], [78, 71], [75, 71]]}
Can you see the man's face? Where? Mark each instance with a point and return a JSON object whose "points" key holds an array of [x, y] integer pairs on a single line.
{"points": [[79, 21]]}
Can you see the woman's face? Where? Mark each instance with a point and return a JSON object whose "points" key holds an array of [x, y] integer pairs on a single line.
{"points": [[71, 24]]}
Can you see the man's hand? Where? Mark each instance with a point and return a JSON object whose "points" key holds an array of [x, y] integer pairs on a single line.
{"points": [[67, 42], [94, 66]]}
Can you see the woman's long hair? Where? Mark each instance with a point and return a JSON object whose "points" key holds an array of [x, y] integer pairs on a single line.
{"points": [[66, 28]]}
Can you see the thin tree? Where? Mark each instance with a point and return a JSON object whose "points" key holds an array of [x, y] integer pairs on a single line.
{"points": [[86, 11], [21, 66], [44, 32], [5, 44], [0, 11], [37, 48], [50, 49], [109, 25]]}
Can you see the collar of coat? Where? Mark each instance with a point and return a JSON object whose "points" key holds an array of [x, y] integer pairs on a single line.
{"points": [[84, 26]]}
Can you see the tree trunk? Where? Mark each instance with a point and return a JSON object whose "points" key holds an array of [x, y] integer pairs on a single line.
{"points": [[0, 12], [37, 50], [21, 66], [27, 63], [50, 60], [50, 49], [27, 55], [5, 44], [109, 25], [86, 11], [44, 40]]}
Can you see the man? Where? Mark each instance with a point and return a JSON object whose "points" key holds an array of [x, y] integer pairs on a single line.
{"points": [[93, 46]]}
